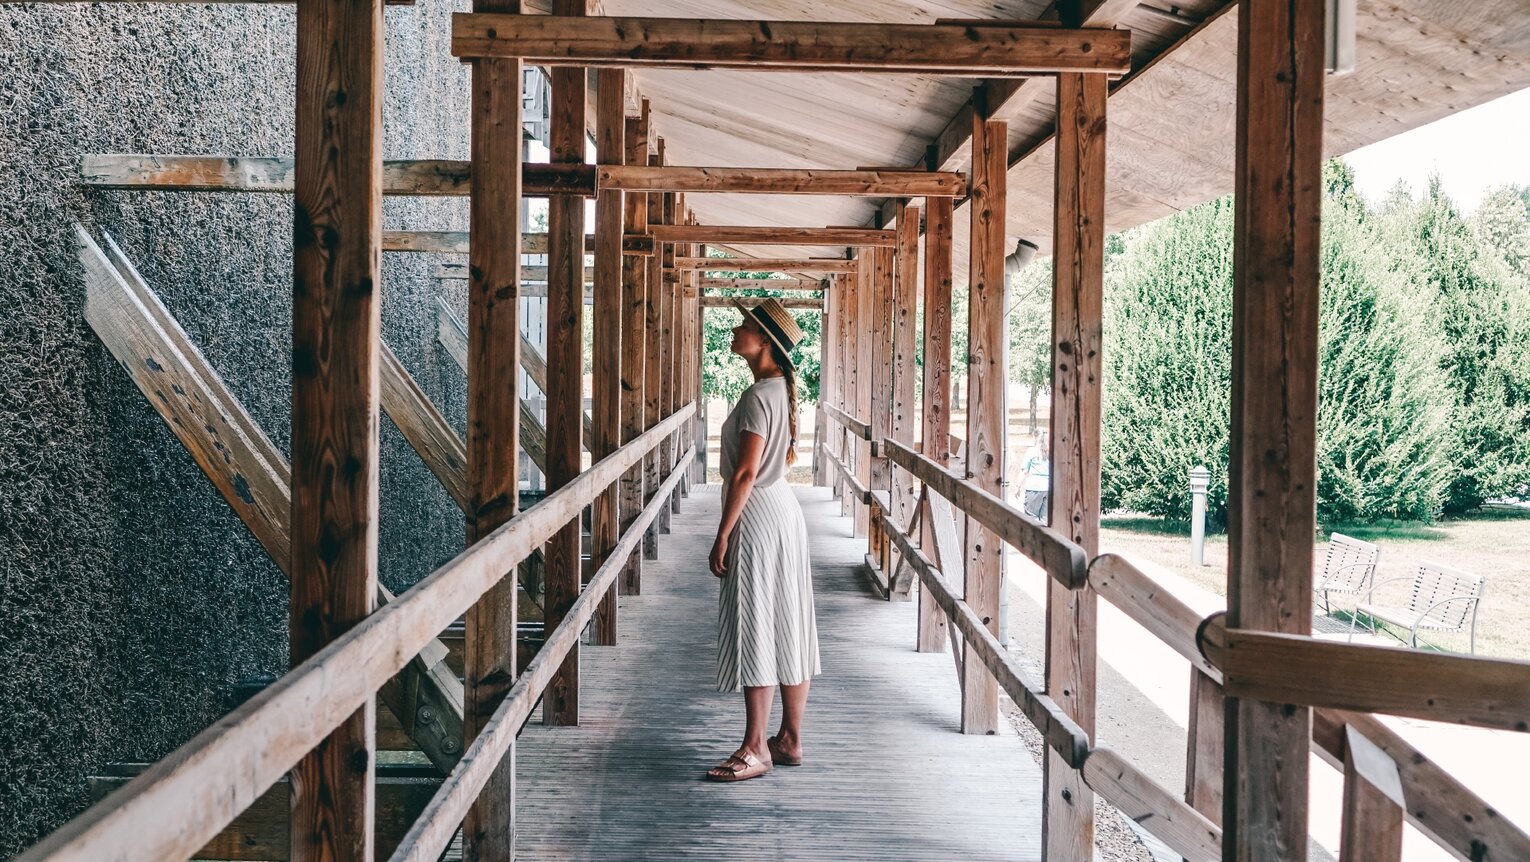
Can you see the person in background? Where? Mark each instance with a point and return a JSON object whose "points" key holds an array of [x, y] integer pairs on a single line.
{"points": [[1036, 481]]}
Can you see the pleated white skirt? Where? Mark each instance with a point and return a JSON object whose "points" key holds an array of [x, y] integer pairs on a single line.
{"points": [[766, 632]]}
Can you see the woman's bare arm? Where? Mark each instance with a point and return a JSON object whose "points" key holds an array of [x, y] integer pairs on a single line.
{"points": [[751, 450]]}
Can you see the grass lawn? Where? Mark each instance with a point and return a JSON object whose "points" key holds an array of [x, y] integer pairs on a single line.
{"points": [[1492, 543]]}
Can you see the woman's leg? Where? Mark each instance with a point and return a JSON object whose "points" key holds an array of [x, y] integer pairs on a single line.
{"points": [[757, 700], [793, 703]]}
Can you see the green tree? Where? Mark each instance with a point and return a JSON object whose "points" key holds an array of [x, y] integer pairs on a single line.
{"points": [[1030, 331], [1483, 307], [1383, 442], [1503, 223], [725, 375]]}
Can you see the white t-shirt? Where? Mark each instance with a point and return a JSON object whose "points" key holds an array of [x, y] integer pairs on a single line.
{"points": [[763, 409]]}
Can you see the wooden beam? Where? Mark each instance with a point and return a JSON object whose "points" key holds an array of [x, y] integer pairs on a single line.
{"points": [[531, 276], [791, 302], [417, 177], [1297, 669], [493, 407], [748, 264], [772, 284], [456, 242], [453, 337], [1272, 445], [879, 326], [1007, 98], [1077, 308], [1145, 802], [935, 409], [1372, 828], [634, 346], [994, 49], [565, 369], [865, 378], [770, 235], [904, 322], [668, 301], [249, 471], [606, 362], [336, 333], [654, 367], [986, 411], [781, 181]]}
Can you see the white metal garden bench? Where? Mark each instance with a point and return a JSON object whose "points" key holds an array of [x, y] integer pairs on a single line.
{"points": [[1349, 567], [1443, 599]]}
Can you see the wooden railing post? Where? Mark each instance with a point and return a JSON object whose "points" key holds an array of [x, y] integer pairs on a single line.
{"points": [[1077, 306], [844, 356], [634, 346], [1203, 747], [1272, 457], [1374, 806], [493, 407], [336, 334], [606, 363], [669, 291], [565, 369], [936, 408], [986, 408]]}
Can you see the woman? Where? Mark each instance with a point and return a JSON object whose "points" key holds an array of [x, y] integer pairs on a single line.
{"points": [[766, 635]]}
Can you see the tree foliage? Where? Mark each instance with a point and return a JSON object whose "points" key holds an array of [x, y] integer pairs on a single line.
{"points": [[726, 376], [1388, 442]]}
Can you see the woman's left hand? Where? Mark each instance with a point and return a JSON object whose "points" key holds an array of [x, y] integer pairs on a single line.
{"points": [[718, 560]]}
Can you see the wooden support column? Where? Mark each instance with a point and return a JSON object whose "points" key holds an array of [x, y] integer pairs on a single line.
{"points": [[606, 363], [565, 370], [653, 386], [634, 347], [905, 309], [986, 408], [1272, 460], [336, 334], [827, 379], [880, 325], [493, 408], [865, 378], [849, 306], [936, 409], [1203, 746], [668, 290], [1077, 297]]}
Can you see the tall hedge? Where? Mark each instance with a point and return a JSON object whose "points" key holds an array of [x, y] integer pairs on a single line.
{"points": [[1384, 441]]}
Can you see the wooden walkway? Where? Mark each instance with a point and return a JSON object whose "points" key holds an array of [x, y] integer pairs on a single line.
{"points": [[888, 777]]}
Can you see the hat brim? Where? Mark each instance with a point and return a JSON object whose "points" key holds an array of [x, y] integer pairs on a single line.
{"points": [[766, 328]]}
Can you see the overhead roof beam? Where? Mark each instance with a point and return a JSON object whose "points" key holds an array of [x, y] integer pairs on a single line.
{"points": [[803, 302], [770, 235], [968, 48], [781, 181], [456, 242], [446, 177], [762, 264]]}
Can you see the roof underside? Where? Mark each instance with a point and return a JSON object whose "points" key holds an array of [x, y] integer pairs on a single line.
{"points": [[1171, 122]]}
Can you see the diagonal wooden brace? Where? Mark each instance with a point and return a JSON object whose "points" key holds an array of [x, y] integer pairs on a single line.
{"points": [[243, 464]]}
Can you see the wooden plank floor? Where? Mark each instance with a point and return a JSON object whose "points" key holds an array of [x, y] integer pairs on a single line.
{"points": [[888, 777]]}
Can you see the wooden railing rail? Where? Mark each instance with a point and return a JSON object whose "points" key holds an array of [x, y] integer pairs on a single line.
{"points": [[1150, 606], [1287, 668], [433, 830], [848, 422], [860, 491], [1061, 732], [179, 804], [1044, 546]]}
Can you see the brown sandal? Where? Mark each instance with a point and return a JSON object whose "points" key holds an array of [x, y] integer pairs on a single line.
{"points": [[740, 766], [778, 756]]}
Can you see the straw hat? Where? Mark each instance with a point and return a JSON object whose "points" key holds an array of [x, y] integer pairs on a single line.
{"points": [[777, 322]]}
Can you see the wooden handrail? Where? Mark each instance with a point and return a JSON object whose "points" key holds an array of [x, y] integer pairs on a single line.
{"points": [[1065, 561], [848, 422], [1439, 805], [1288, 668], [428, 838], [1172, 621], [860, 491], [1151, 806], [179, 804], [1061, 732]]}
